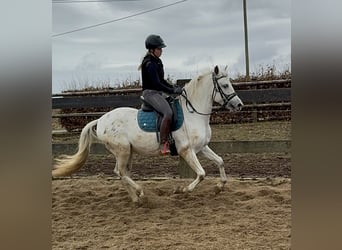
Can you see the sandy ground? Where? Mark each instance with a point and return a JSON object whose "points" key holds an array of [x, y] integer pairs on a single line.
{"points": [[92, 210], [96, 213], [236, 165]]}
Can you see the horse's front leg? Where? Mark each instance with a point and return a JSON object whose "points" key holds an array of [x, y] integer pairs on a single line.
{"points": [[190, 157], [211, 155]]}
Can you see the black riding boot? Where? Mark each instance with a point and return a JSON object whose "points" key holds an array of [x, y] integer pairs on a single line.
{"points": [[164, 132]]}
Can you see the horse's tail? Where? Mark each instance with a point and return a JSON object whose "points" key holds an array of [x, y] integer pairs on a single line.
{"points": [[68, 164]]}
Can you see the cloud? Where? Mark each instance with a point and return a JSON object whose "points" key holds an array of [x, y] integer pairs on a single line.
{"points": [[197, 34], [90, 61]]}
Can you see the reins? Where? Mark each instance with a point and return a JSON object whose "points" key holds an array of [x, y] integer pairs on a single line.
{"points": [[217, 88], [188, 103]]}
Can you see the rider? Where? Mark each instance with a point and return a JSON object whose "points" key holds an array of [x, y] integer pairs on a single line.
{"points": [[154, 85]]}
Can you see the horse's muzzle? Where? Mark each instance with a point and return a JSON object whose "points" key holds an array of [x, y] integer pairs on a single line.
{"points": [[235, 104]]}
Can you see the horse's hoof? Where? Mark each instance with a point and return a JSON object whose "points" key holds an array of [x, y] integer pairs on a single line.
{"points": [[140, 194], [143, 201], [178, 190], [218, 188], [136, 202]]}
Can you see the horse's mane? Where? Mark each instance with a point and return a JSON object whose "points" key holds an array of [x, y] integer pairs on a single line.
{"points": [[194, 83]]}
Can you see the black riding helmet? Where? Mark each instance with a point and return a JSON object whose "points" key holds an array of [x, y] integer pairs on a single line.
{"points": [[154, 41]]}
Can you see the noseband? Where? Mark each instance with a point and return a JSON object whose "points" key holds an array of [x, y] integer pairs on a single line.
{"points": [[217, 89]]}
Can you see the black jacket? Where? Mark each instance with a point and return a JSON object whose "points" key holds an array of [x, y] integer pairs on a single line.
{"points": [[152, 71]]}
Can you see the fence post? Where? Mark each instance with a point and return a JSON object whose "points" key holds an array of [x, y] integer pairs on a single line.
{"points": [[184, 170], [255, 110]]}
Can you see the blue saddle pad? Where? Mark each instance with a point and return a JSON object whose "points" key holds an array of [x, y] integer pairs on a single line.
{"points": [[148, 120]]}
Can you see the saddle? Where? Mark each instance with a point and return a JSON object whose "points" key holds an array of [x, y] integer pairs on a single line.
{"points": [[149, 120]]}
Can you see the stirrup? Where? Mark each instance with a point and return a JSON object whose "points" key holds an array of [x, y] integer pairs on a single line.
{"points": [[165, 148]]}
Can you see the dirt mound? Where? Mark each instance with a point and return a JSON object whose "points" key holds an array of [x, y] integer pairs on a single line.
{"points": [[97, 213]]}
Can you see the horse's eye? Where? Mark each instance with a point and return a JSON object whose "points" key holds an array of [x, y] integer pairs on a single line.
{"points": [[225, 86]]}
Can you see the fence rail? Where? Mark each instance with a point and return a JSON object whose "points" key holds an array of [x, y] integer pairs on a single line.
{"points": [[130, 97], [237, 85], [264, 100], [115, 101], [273, 107]]}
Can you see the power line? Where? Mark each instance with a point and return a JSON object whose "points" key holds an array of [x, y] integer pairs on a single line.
{"points": [[118, 19], [88, 1]]}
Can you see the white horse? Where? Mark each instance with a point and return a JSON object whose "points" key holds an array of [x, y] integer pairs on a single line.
{"points": [[118, 130]]}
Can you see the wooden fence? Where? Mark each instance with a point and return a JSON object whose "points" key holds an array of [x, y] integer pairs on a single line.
{"points": [[270, 97], [264, 100], [130, 97]]}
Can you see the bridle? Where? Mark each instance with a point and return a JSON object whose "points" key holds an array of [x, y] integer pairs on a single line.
{"points": [[217, 89]]}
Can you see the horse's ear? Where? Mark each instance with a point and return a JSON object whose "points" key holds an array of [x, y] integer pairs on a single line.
{"points": [[226, 68], [216, 70]]}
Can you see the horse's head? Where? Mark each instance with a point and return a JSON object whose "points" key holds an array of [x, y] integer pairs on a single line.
{"points": [[224, 92]]}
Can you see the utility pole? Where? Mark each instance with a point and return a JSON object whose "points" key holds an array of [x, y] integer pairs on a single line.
{"points": [[246, 39]]}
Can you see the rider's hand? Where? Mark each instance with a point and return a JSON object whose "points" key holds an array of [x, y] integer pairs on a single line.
{"points": [[177, 90]]}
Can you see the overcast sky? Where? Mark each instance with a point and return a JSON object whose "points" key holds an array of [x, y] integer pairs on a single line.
{"points": [[198, 34]]}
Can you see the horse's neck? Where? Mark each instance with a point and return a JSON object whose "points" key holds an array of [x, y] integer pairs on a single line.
{"points": [[199, 92]]}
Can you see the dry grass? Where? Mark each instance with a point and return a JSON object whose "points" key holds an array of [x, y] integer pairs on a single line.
{"points": [[271, 130]]}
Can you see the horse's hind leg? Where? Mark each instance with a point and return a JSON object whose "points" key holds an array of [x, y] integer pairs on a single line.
{"points": [[129, 168], [211, 155], [134, 190], [123, 162], [130, 190]]}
